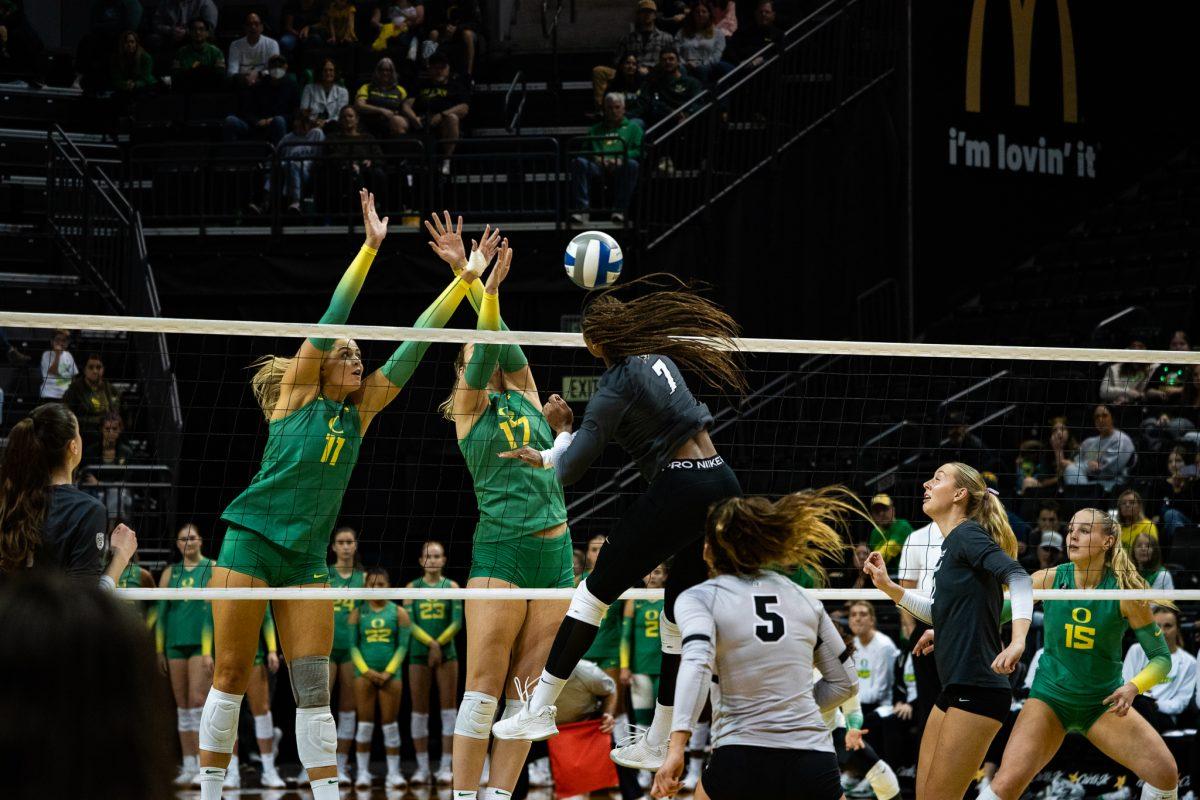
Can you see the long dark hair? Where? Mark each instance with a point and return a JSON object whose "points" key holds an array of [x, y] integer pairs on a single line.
{"points": [[118, 737], [36, 447], [677, 322]]}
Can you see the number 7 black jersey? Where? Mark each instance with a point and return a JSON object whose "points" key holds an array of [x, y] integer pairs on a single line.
{"points": [[644, 404]]}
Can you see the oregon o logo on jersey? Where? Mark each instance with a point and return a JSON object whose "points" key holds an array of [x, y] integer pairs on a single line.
{"points": [[1079, 635]]}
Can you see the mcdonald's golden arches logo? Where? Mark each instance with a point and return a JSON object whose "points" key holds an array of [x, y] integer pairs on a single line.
{"points": [[1022, 14]]}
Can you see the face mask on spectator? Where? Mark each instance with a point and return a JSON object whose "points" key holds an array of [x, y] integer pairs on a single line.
{"points": [[278, 73]]}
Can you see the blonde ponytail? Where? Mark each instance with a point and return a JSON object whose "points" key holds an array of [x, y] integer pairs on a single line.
{"points": [[267, 381], [984, 507], [1117, 559]]}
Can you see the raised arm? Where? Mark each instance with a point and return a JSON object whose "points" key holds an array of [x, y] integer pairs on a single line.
{"points": [[301, 382], [470, 391]]}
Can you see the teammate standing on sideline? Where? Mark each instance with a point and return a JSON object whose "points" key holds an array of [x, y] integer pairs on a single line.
{"points": [[258, 695], [978, 559], [754, 637], [641, 650], [183, 637], [432, 655], [345, 573], [605, 651], [318, 406], [1079, 685], [644, 404]]}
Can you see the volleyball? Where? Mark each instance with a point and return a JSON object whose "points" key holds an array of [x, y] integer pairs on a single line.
{"points": [[593, 259]]}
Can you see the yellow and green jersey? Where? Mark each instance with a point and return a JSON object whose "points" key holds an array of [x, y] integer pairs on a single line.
{"points": [[186, 623], [380, 640], [433, 621], [641, 646], [343, 631]]}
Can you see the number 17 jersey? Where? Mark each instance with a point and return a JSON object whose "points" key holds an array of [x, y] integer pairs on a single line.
{"points": [[514, 499], [1082, 659]]}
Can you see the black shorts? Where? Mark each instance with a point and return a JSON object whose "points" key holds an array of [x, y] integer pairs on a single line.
{"points": [[986, 702], [665, 522], [741, 772]]}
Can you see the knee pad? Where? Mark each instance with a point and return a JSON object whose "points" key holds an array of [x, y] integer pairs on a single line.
{"points": [[512, 707], [183, 719], [883, 781], [264, 726], [194, 715], [585, 607], [345, 724], [391, 735], [448, 715], [475, 715], [219, 721], [671, 639], [420, 726], [365, 731], [310, 681], [316, 737]]}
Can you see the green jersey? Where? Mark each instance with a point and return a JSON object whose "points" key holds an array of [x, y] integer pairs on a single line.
{"points": [[647, 648], [294, 499], [514, 500], [380, 641], [434, 616], [187, 622], [343, 633], [131, 577], [1083, 656]]}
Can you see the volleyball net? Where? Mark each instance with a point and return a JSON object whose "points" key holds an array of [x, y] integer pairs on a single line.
{"points": [[1053, 430]]}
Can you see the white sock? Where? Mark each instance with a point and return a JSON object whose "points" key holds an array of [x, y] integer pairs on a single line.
{"points": [[447, 762], [884, 782], [233, 765], [325, 789], [495, 794], [268, 762], [1151, 793], [343, 762], [462, 794], [364, 761], [210, 781], [191, 764], [423, 761], [547, 692], [620, 725], [985, 793], [660, 728], [393, 762]]}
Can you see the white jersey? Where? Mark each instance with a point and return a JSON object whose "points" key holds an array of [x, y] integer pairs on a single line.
{"points": [[761, 635], [876, 663], [1173, 694], [920, 556]]}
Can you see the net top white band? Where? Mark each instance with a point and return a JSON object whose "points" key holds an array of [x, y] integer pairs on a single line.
{"points": [[98, 322]]}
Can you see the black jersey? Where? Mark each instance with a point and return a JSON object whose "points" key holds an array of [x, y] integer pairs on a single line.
{"points": [[644, 404], [73, 535], [967, 596]]}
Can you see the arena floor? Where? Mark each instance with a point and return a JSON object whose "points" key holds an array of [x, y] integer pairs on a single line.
{"points": [[376, 793]]}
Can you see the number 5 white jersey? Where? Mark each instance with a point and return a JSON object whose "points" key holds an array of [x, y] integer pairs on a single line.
{"points": [[759, 637]]}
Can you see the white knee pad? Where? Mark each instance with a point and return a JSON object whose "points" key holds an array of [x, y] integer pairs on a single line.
{"points": [[195, 714], [391, 734], [183, 720], [475, 715], [264, 726], [585, 607], [219, 721], [420, 726], [884, 782], [365, 731], [448, 715], [345, 725], [316, 737], [641, 691], [670, 639], [512, 707]]}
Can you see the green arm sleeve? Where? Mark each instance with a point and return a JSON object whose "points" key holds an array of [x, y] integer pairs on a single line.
{"points": [[268, 631], [421, 635], [512, 357], [456, 620], [152, 619], [345, 294], [1151, 639], [403, 362], [160, 627], [1006, 612], [626, 641], [852, 708], [360, 663], [402, 639], [206, 633], [484, 356]]}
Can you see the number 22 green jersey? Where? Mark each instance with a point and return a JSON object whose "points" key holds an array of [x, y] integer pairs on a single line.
{"points": [[1083, 656]]}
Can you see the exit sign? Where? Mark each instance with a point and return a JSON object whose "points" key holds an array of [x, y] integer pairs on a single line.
{"points": [[579, 388]]}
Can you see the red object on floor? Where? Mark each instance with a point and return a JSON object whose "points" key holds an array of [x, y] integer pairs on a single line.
{"points": [[579, 759]]}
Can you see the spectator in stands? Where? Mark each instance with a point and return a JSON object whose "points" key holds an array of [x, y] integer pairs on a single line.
{"points": [[250, 57], [118, 737], [302, 25], [380, 101], [1174, 498], [358, 155], [890, 532], [1064, 446], [172, 17], [109, 450], [1165, 429], [296, 152], [1166, 385], [1034, 471], [132, 67], [21, 48], [628, 83], [395, 26], [724, 14], [672, 14], [1103, 460], [1047, 522], [615, 146], [875, 655], [108, 19], [58, 366], [701, 44], [199, 64], [454, 28], [1132, 516], [265, 107], [1125, 383], [440, 104], [338, 23], [645, 42], [1050, 550], [668, 90], [1164, 705], [1148, 557], [959, 443], [325, 98], [14, 356], [749, 40], [90, 397]]}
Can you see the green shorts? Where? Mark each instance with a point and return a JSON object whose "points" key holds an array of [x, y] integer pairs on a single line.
{"points": [[340, 655], [531, 562], [253, 554], [1075, 716], [183, 651], [419, 654], [606, 663]]}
